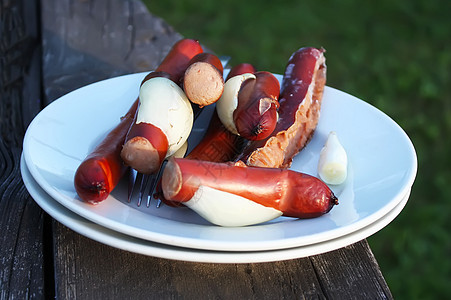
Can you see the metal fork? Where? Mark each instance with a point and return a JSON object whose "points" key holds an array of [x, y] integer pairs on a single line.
{"points": [[147, 183]]}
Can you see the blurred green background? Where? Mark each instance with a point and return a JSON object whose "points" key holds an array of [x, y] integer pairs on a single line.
{"points": [[396, 55]]}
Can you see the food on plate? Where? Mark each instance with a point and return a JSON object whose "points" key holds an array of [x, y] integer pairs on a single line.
{"points": [[100, 172], [152, 136], [217, 145], [161, 126], [241, 68], [228, 194], [249, 104], [203, 81], [219, 180], [333, 161], [300, 102]]}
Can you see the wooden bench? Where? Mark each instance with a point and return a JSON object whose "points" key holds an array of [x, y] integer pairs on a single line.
{"points": [[53, 48]]}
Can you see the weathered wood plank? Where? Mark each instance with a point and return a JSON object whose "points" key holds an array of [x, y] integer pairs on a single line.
{"points": [[93, 271], [21, 242], [87, 41], [19, 69], [22, 271], [351, 273]]}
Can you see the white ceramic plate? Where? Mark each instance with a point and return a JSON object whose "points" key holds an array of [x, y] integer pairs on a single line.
{"points": [[382, 169], [129, 243]]}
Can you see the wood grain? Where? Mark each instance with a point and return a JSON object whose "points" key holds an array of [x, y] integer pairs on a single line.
{"points": [[22, 244], [351, 272], [88, 41], [92, 270]]}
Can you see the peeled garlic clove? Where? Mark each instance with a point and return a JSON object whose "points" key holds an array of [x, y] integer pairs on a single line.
{"points": [[333, 161]]}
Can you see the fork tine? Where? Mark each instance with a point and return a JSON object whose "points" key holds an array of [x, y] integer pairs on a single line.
{"points": [[153, 184], [132, 174], [142, 187], [155, 180]]}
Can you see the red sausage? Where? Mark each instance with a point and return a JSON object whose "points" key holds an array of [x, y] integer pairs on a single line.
{"points": [[218, 143], [203, 81], [300, 102], [294, 194], [256, 114], [241, 69], [305, 68], [177, 60], [102, 169], [145, 147]]}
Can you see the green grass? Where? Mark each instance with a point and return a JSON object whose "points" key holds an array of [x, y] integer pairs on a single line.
{"points": [[396, 55]]}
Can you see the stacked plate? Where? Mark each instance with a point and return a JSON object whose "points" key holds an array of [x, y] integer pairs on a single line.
{"points": [[382, 168]]}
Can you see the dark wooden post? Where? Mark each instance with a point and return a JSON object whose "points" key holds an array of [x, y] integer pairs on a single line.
{"points": [[23, 223]]}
